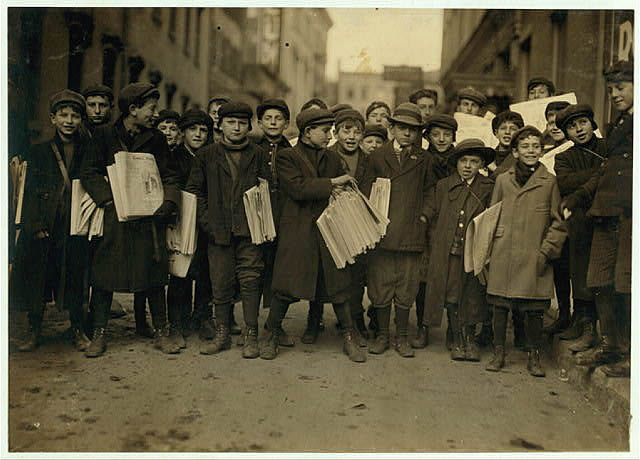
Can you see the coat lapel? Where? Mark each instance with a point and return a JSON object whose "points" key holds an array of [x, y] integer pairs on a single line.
{"points": [[539, 176], [411, 161], [221, 158], [390, 158], [141, 139]]}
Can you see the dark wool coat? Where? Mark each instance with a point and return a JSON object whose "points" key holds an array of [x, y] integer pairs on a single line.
{"points": [[306, 194], [182, 160], [47, 206], [574, 167], [123, 258], [271, 151], [450, 200], [507, 163], [410, 183], [220, 210], [529, 224]]}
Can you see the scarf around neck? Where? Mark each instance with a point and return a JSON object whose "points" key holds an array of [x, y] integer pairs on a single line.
{"points": [[524, 172], [232, 147]]}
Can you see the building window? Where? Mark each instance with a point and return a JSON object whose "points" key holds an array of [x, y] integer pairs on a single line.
{"points": [[156, 16], [196, 51], [187, 31], [172, 24], [350, 94]]}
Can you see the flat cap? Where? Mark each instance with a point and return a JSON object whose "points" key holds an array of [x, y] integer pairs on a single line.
{"points": [[349, 114], [67, 96], [278, 104], [376, 105], [334, 109], [523, 132], [441, 120], [424, 92], [541, 81], [312, 117], [507, 115], [98, 90], [620, 71], [235, 109], [555, 106], [371, 129], [135, 93], [313, 101], [219, 98], [472, 94], [572, 112], [473, 147], [407, 113], [167, 114], [195, 116]]}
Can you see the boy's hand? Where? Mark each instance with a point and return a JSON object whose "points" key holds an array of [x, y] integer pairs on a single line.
{"points": [[342, 180], [541, 264], [42, 234], [566, 213], [167, 211]]}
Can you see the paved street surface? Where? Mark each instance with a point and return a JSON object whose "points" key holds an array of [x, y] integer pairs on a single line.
{"points": [[311, 398]]}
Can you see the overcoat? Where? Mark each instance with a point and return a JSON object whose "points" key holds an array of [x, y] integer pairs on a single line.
{"points": [[573, 168], [410, 183], [47, 206], [123, 258], [529, 224], [271, 151], [306, 190], [451, 203]]}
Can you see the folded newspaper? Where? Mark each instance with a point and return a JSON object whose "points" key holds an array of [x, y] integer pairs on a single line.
{"points": [[136, 185], [86, 218], [18, 171], [380, 195], [257, 207], [350, 225], [182, 236]]}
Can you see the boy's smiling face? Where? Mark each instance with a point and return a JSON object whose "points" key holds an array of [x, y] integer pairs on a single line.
{"points": [[505, 132], [441, 138], [349, 135], [580, 130], [556, 133], [318, 135], [529, 150], [170, 130], [621, 94], [66, 120]]}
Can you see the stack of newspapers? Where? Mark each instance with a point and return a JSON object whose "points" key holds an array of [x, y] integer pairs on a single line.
{"points": [[86, 218], [380, 195], [257, 207], [350, 225], [136, 185], [182, 236]]}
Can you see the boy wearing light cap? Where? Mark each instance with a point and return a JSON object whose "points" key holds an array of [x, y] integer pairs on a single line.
{"points": [[608, 197], [52, 259], [471, 101], [394, 265], [145, 269], [220, 175], [308, 173]]}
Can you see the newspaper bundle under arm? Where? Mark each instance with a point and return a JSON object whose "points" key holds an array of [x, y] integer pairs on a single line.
{"points": [[257, 208], [182, 237], [479, 240], [86, 218]]}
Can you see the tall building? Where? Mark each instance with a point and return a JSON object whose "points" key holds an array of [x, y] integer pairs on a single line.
{"points": [[498, 51]]}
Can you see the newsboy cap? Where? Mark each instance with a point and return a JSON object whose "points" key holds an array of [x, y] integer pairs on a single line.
{"points": [[507, 115], [235, 109], [219, 98], [555, 106], [167, 114], [472, 94], [541, 81], [195, 116], [134, 93], [349, 114], [376, 105], [67, 96], [424, 92], [407, 113], [473, 147], [371, 129], [334, 109], [312, 117], [441, 120], [572, 112], [278, 104], [523, 132], [620, 71], [98, 90]]}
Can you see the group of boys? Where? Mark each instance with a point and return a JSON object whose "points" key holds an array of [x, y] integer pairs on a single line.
{"points": [[438, 186]]}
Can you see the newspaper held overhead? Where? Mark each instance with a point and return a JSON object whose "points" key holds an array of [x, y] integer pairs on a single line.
{"points": [[381, 195], [549, 158], [136, 185], [350, 225], [86, 218], [182, 236], [257, 207], [533, 111], [475, 127]]}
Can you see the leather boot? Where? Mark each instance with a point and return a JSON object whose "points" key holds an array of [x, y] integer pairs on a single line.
{"points": [[402, 330], [80, 341], [458, 349], [589, 337], [576, 326], [234, 329], [472, 352], [519, 337], [163, 343], [176, 338], [143, 329], [422, 337], [358, 324], [98, 345], [606, 352], [561, 323], [620, 369], [485, 337], [33, 334], [359, 339], [533, 364], [269, 349], [352, 349], [312, 331], [250, 348], [381, 344], [207, 329], [221, 342], [373, 320], [497, 362]]}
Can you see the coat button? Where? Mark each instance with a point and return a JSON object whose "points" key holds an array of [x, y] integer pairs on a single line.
{"points": [[462, 212], [619, 173], [625, 155], [460, 225]]}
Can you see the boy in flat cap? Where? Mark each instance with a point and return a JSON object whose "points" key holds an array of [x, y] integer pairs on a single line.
{"points": [[607, 196], [573, 168], [529, 234], [313, 103], [539, 88], [53, 260], [373, 138], [394, 265], [273, 120], [214, 104], [220, 175], [116, 265], [308, 173], [99, 104], [378, 113], [426, 100], [167, 124], [197, 128], [553, 136], [451, 206], [471, 101], [504, 126]]}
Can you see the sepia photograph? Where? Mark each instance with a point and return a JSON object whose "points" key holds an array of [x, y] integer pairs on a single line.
{"points": [[318, 232]]}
